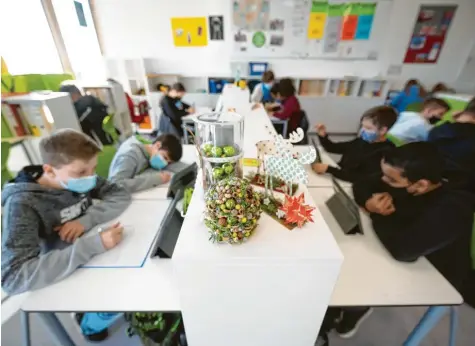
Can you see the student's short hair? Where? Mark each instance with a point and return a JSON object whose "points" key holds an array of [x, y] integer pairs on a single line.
{"points": [[381, 116], [178, 87], [470, 108], [417, 160], [286, 87], [172, 144], [67, 145], [70, 88], [268, 76], [434, 102], [275, 89]]}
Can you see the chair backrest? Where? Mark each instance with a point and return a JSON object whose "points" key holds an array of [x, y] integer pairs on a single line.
{"points": [[109, 128], [396, 141], [473, 244], [414, 107], [104, 160], [304, 124]]}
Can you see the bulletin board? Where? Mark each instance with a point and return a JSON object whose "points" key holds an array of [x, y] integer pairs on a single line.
{"points": [[333, 29]]}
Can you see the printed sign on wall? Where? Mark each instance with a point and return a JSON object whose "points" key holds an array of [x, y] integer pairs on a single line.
{"points": [[428, 37], [190, 31]]}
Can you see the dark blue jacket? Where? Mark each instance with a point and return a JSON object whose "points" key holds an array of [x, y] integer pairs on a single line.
{"points": [[456, 143]]}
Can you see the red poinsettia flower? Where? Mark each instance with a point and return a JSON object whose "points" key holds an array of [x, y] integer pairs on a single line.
{"points": [[296, 211]]}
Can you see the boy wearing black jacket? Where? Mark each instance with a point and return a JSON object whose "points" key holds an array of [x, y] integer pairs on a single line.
{"points": [[173, 110], [362, 155], [456, 143], [415, 214]]}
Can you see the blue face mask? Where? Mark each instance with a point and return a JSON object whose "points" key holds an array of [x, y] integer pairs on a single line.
{"points": [[158, 162], [80, 185], [368, 136]]}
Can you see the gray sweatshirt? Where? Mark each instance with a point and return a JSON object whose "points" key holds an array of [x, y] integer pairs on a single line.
{"points": [[33, 255], [131, 168]]}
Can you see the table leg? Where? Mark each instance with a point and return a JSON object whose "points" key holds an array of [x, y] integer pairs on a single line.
{"points": [[25, 326], [185, 133], [453, 325], [431, 317], [286, 124], [56, 329]]}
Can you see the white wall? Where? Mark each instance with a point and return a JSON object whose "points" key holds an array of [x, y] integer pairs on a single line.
{"points": [[141, 28]]}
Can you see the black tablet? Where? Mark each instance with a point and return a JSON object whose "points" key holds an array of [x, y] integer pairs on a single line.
{"points": [[345, 210], [182, 179]]}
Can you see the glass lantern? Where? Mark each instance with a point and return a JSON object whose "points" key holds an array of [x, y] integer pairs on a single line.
{"points": [[220, 137]]}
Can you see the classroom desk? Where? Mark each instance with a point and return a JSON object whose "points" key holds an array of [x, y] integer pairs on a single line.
{"points": [[244, 284], [142, 288], [369, 276]]}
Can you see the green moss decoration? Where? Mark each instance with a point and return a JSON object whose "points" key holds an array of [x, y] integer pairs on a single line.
{"points": [[232, 210]]}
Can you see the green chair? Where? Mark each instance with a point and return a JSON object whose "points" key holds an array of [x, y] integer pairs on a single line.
{"points": [[104, 160], [396, 141], [6, 175], [414, 107], [109, 128]]}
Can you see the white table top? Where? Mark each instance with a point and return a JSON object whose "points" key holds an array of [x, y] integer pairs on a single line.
{"points": [[104, 289], [370, 276], [270, 240]]}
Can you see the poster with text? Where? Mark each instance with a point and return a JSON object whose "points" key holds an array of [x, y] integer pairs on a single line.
{"points": [[430, 30], [190, 31]]}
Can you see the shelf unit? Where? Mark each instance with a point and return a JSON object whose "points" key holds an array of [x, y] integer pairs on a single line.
{"points": [[37, 115]]}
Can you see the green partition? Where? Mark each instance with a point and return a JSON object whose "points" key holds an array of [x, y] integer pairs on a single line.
{"points": [[33, 82]]}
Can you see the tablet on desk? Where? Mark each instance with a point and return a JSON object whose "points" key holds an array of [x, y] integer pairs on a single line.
{"points": [[170, 227], [182, 179], [345, 210], [319, 156]]}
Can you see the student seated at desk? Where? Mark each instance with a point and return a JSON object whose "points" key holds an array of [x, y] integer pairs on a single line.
{"points": [[360, 156], [415, 214], [173, 109], [290, 106], [415, 127], [456, 143], [261, 92], [91, 113], [138, 166], [413, 92], [48, 209]]}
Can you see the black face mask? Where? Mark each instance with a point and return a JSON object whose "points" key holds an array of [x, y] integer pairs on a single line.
{"points": [[433, 120]]}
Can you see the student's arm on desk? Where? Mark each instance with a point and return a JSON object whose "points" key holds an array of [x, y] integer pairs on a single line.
{"points": [[125, 174], [24, 268], [340, 173], [407, 241], [114, 200], [256, 96], [335, 148]]}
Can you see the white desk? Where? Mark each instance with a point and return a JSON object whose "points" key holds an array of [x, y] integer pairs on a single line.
{"points": [[226, 291], [148, 288], [371, 277]]}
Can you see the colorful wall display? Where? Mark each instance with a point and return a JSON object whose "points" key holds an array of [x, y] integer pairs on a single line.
{"points": [[190, 31], [317, 19], [428, 36], [306, 28]]}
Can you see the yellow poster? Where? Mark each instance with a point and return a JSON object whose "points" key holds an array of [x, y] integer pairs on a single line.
{"points": [[316, 25], [190, 31]]}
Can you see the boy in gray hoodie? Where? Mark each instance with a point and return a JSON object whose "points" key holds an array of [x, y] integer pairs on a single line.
{"points": [[48, 208], [140, 166]]}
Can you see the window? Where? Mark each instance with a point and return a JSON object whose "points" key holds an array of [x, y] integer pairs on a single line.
{"points": [[27, 43]]}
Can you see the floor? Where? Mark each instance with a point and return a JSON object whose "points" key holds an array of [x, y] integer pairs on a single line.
{"points": [[385, 327]]}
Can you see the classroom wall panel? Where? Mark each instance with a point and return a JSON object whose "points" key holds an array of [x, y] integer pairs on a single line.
{"points": [[141, 28]]}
